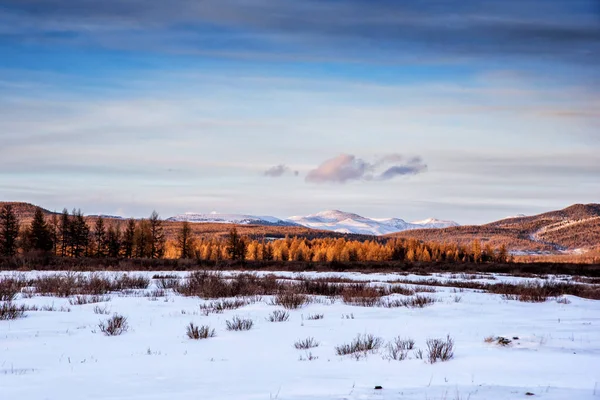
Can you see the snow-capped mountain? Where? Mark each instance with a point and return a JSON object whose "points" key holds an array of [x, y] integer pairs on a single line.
{"points": [[243, 219], [343, 222]]}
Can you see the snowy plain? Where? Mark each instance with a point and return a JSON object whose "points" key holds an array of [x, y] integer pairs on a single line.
{"points": [[63, 355]]}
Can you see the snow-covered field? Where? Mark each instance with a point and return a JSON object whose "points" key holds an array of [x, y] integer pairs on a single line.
{"points": [[63, 355]]}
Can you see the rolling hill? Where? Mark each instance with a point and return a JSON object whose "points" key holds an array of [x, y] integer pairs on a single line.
{"points": [[574, 228]]}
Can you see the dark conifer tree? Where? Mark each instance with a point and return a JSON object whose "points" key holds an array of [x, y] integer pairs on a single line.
{"points": [[100, 239], [129, 239], [39, 235], [9, 231], [64, 231], [114, 241], [157, 236]]}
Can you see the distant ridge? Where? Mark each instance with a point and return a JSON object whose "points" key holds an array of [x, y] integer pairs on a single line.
{"points": [[241, 219], [344, 222], [570, 230]]}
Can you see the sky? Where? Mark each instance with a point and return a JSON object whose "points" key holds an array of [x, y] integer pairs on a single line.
{"points": [[461, 110]]}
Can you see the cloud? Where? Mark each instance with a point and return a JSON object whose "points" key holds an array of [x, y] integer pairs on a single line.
{"points": [[279, 170], [347, 167]]}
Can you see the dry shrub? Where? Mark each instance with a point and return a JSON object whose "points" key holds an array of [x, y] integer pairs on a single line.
{"points": [[398, 348], [9, 287], [239, 324], [68, 284], [418, 301], [9, 311], [306, 344], [101, 310], [315, 316], [290, 300], [114, 326], [199, 332], [167, 282], [82, 300], [219, 306], [213, 286], [401, 289], [308, 357], [278, 316], [440, 349], [364, 296], [361, 344]]}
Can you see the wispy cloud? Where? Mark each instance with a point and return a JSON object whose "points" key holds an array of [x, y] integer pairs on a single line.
{"points": [[529, 28], [348, 167], [279, 170]]}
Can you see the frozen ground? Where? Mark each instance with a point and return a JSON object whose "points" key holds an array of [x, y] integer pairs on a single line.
{"points": [[62, 355]]}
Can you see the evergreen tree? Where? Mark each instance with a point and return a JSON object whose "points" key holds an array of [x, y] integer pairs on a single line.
{"points": [[129, 239], [64, 231], [114, 241], [142, 239], [185, 241], [100, 238], [39, 235], [79, 234], [9, 231], [54, 228], [157, 236]]}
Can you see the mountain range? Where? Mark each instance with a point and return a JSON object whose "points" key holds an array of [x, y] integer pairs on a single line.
{"points": [[332, 220], [575, 229]]}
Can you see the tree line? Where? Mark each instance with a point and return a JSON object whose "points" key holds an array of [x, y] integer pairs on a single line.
{"points": [[69, 235]]}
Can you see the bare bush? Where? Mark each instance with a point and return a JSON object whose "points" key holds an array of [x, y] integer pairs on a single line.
{"points": [[219, 306], [278, 316], [398, 348], [290, 300], [308, 357], [440, 349], [417, 301], [9, 287], [167, 282], [315, 316], [239, 324], [361, 344], [114, 326], [364, 296], [199, 332], [82, 300], [9, 310], [101, 310], [213, 286], [306, 344]]}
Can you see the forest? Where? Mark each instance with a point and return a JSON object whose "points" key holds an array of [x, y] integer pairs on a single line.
{"points": [[69, 235]]}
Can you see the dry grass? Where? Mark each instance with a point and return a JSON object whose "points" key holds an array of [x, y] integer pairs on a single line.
{"points": [[219, 306], [278, 316], [315, 316], [440, 349], [290, 300], [114, 326], [82, 300], [10, 311], [239, 324], [102, 310], [361, 344], [398, 348], [306, 344], [199, 332]]}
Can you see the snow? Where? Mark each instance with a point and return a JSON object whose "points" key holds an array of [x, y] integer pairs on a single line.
{"points": [[344, 222], [61, 355], [215, 217]]}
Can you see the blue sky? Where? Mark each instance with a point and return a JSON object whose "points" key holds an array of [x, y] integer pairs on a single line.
{"points": [[462, 110]]}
